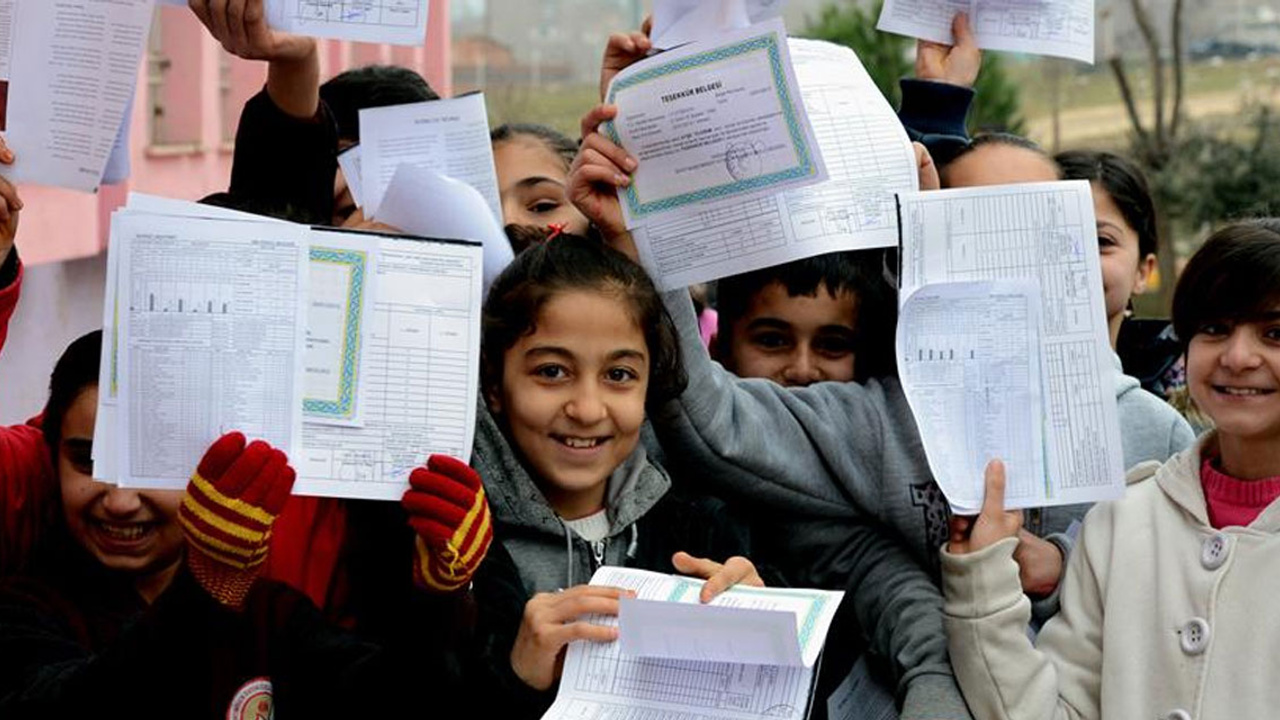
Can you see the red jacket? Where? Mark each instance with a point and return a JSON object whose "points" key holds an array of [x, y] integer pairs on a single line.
{"points": [[26, 475], [306, 540]]}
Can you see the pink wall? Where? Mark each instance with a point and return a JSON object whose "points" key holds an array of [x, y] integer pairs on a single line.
{"points": [[63, 225]]}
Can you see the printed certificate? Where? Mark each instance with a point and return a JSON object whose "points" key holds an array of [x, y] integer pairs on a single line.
{"points": [[713, 120], [338, 303]]}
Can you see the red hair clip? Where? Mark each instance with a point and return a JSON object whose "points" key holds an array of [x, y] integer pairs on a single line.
{"points": [[556, 230]]}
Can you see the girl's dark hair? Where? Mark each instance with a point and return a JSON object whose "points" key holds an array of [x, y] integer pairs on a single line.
{"points": [[372, 86], [1235, 275], [558, 143], [857, 272], [76, 371], [1124, 182], [567, 263], [994, 138]]}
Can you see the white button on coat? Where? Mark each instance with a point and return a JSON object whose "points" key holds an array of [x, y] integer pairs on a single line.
{"points": [[1214, 551], [1194, 636], [1178, 715]]}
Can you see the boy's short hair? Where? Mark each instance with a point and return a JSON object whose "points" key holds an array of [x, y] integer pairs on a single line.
{"points": [[1234, 276], [857, 272], [349, 92]]}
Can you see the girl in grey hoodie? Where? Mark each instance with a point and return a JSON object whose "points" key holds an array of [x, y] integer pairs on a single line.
{"points": [[576, 344]]}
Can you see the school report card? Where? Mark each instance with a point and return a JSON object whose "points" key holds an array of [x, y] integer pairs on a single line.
{"points": [[715, 119]]}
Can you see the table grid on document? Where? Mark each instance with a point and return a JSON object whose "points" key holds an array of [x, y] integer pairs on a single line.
{"points": [[745, 688], [728, 232], [857, 196], [1036, 232], [398, 13], [218, 346], [415, 390]]}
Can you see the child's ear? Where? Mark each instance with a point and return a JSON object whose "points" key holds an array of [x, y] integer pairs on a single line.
{"points": [[713, 347], [493, 401]]}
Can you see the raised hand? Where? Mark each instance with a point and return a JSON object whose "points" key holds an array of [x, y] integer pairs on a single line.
{"points": [[448, 511], [293, 76], [600, 168], [227, 512], [953, 64], [993, 524], [241, 28], [622, 50], [10, 205]]}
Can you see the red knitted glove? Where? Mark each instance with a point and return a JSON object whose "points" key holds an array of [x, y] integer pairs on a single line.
{"points": [[227, 512], [448, 510]]}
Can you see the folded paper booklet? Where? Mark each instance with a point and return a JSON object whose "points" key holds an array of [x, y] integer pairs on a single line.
{"points": [[750, 653], [322, 341]]}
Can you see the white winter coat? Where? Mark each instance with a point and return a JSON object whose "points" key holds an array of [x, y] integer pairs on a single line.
{"points": [[1162, 616]]}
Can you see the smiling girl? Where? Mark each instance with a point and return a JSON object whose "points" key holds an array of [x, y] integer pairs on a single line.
{"points": [[576, 345], [1161, 600]]}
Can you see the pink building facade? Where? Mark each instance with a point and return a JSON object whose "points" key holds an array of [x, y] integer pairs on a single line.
{"points": [[188, 101], [185, 112]]}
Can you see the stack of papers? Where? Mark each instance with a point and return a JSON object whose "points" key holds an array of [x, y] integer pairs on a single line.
{"points": [[1015, 361], [750, 653], [356, 353], [856, 135]]}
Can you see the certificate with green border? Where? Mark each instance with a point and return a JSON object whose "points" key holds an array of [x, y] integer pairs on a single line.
{"points": [[685, 118], [334, 342]]}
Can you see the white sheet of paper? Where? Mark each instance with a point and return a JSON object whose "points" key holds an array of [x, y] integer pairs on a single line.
{"points": [[428, 204], [680, 631], [211, 339], [599, 678], [399, 22], [157, 205], [421, 379], [1061, 28], [717, 119], [450, 137], [678, 22], [868, 158], [349, 161], [106, 440], [104, 448], [969, 360], [1043, 232], [118, 162], [73, 70]]}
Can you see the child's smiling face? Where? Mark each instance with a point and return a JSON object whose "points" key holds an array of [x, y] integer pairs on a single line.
{"points": [[1233, 374], [573, 396]]}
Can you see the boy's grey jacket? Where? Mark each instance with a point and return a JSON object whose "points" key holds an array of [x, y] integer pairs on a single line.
{"points": [[836, 451]]}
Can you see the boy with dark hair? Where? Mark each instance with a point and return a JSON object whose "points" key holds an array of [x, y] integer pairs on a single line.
{"points": [[829, 317]]}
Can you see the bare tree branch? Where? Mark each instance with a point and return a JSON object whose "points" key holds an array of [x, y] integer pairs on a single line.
{"points": [[1152, 40], [1175, 33], [1126, 94]]}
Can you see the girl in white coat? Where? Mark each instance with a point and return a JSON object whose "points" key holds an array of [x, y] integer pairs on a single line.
{"points": [[1165, 604]]}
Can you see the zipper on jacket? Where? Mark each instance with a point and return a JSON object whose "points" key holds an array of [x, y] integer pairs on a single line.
{"points": [[597, 552]]}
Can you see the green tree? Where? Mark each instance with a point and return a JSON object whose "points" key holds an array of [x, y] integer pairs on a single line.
{"points": [[887, 58]]}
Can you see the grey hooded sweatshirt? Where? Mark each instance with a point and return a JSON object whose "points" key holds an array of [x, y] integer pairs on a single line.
{"points": [[834, 451]]}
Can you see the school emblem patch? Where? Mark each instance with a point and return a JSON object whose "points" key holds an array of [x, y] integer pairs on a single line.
{"points": [[253, 701]]}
